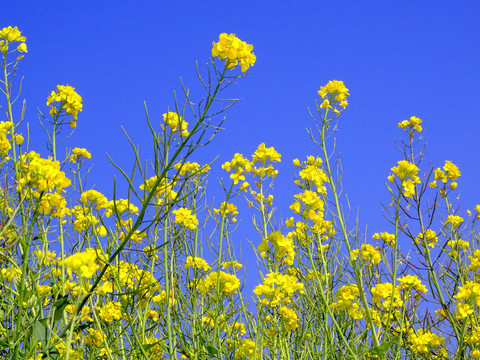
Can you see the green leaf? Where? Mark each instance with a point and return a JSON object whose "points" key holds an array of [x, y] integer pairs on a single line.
{"points": [[212, 350], [60, 306], [381, 349], [40, 330]]}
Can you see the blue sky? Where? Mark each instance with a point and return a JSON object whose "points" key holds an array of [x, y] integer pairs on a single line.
{"points": [[398, 59]]}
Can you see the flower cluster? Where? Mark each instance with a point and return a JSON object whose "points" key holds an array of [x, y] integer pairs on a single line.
{"points": [[68, 100], [450, 173], [9, 35], [407, 173], [427, 239], [280, 246], [277, 289], [196, 263], [424, 341], [227, 209], [409, 282], [345, 297], [312, 174], [411, 125], [386, 238], [84, 264], [110, 312], [191, 167], [79, 154], [384, 295], [185, 218], [40, 175], [176, 123], [235, 51], [370, 254], [228, 283], [468, 296], [334, 96]]}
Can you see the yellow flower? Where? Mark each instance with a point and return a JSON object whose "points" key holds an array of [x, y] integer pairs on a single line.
{"points": [[407, 173], [235, 51], [185, 218], [176, 123], [79, 154], [411, 125], [22, 48], [334, 96], [19, 139], [84, 263], [68, 100], [196, 262], [110, 312]]}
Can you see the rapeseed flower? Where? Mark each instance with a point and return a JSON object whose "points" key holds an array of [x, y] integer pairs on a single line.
{"points": [[407, 173], [79, 154], [68, 100], [235, 51], [84, 264], [176, 123], [185, 218], [411, 125], [10, 35], [334, 95]]}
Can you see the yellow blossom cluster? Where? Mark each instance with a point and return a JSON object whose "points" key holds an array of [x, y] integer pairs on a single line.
{"points": [[386, 238], [278, 289], [191, 167], [288, 319], [79, 154], [409, 282], [345, 297], [163, 191], [454, 220], [450, 173], [10, 35], [68, 100], [120, 207], [407, 173], [93, 199], [309, 205], [370, 254], [468, 296], [233, 264], [41, 174], [228, 283], [427, 239], [5, 144], [235, 51], [457, 245], [197, 263], [411, 125], [110, 312], [8, 274], [281, 247], [176, 123], [85, 263], [238, 167], [474, 261], [312, 174], [227, 209], [264, 154], [185, 218], [424, 341], [384, 295], [246, 350], [334, 96]]}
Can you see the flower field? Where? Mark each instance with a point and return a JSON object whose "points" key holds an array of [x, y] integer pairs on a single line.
{"points": [[151, 273]]}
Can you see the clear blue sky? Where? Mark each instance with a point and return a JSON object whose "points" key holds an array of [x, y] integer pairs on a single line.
{"points": [[397, 58]]}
